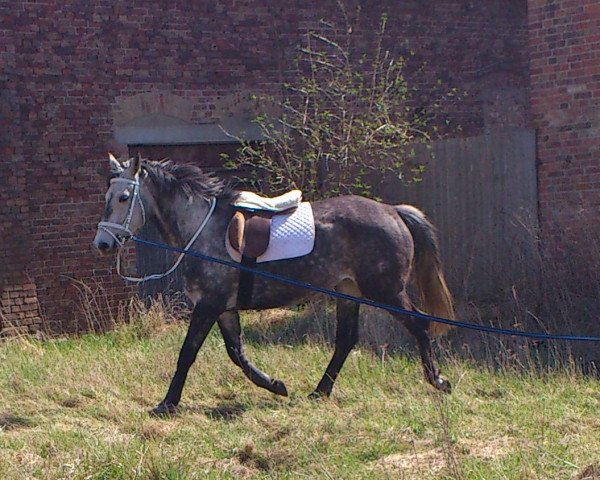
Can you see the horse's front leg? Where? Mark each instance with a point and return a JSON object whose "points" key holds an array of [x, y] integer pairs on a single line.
{"points": [[203, 318], [229, 323]]}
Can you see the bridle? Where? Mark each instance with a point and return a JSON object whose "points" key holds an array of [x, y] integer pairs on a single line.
{"points": [[116, 230], [120, 228]]}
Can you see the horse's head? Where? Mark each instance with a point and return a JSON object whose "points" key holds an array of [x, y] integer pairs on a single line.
{"points": [[124, 213]]}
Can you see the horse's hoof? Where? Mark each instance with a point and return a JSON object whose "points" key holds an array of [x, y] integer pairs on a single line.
{"points": [[443, 385], [278, 388], [318, 395], [163, 410]]}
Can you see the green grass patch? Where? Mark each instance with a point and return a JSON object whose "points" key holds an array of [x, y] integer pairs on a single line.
{"points": [[77, 408]]}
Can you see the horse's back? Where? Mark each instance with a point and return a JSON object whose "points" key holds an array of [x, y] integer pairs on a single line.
{"points": [[368, 239], [360, 216]]}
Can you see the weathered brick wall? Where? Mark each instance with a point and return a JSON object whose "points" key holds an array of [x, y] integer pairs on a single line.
{"points": [[75, 69], [564, 44], [19, 310]]}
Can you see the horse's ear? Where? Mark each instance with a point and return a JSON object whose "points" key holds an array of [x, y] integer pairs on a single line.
{"points": [[136, 164], [115, 166]]}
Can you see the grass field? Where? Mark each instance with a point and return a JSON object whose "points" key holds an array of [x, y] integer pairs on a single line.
{"points": [[77, 408]]}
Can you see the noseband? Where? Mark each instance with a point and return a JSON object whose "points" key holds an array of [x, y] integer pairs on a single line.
{"points": [[116, 230]]}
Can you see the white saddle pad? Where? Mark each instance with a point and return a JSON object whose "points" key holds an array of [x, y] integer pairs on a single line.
{"points": [[292, 235]]}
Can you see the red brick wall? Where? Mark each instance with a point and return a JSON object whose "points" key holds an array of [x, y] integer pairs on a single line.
{"points": [[73, 66], [18, 301], [564, 43]]}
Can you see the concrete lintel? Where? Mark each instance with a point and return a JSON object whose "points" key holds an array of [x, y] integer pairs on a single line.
{"points": [[159, 133]]}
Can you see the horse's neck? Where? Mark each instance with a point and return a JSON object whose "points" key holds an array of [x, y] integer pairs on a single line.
{"points": [[179, 220], [175, 220]]}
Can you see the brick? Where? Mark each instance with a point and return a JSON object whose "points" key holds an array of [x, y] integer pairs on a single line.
{"points": [[102, 66], [566, 133]]}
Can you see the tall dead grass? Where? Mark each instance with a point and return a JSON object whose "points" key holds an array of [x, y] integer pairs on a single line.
{"points": [[554, 290], [98, 313]]}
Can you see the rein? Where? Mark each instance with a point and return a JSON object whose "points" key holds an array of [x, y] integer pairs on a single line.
{"points": [[124, 227]]}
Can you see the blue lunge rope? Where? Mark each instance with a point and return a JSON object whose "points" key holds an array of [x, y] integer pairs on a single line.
{"points": [[365, 301]]}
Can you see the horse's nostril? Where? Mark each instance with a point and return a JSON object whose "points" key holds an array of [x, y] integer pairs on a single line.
{"points": [[103, 246]]}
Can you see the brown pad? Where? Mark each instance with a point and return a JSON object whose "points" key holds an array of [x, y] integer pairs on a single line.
{"points": [[236, 231]]}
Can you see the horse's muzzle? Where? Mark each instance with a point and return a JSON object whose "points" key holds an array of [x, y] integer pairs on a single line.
{"points": [[103, 248], [104, 244]]}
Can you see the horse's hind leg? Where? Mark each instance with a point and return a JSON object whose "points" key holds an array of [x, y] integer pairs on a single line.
{"points": [[346, 336], [203, 318], [229, 323], [419, 329]]}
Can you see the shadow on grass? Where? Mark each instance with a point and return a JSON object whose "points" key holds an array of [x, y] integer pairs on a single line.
{"points": [[231, 410], [8, 421], [226, 411]]}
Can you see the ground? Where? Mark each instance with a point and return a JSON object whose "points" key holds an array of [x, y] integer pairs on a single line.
{"points": [[77, 408]]}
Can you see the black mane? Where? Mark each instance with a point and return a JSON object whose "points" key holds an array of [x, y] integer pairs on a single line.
{"points": [[170, 177]]}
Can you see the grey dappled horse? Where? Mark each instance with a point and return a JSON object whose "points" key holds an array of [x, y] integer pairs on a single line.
{"points": [[362, 247]]}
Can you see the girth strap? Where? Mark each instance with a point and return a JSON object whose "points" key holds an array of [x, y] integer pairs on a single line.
{"points": [[246, 284]]}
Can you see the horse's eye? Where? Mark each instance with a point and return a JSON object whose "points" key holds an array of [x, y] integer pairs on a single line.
{"points": [[124, 197]]}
